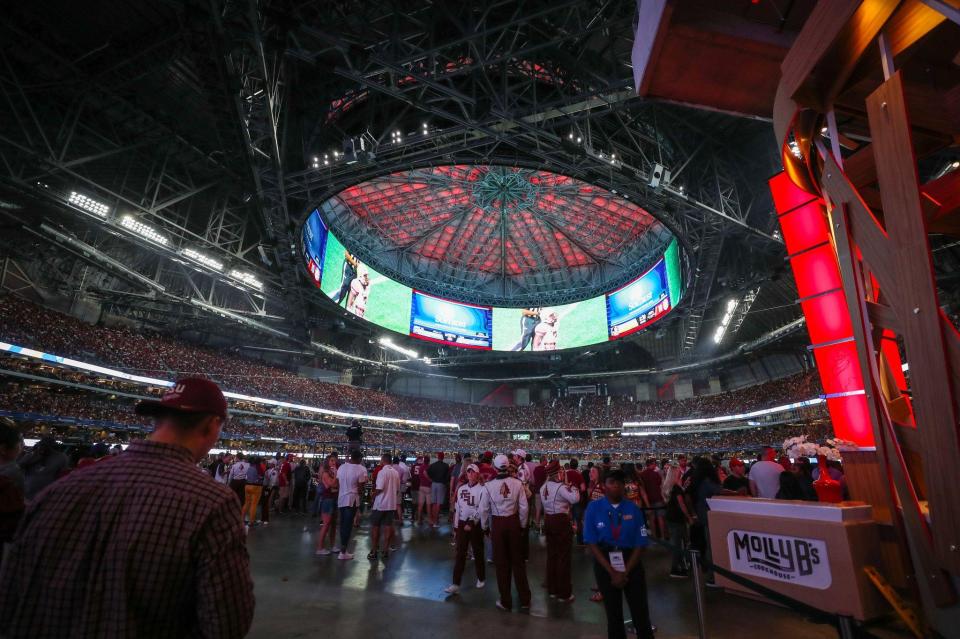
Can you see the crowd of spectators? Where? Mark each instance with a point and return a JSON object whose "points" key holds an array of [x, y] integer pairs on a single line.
{"points": [[160, 356], [115, 421]]}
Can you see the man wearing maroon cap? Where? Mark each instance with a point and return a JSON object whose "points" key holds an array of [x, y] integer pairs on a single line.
{"points": [[146, 545]]}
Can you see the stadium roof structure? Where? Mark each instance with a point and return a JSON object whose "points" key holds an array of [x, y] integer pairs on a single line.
{"points": [[163, 154], [494, 234]]}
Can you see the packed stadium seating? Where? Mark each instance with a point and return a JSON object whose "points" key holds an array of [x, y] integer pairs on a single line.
{"points": [[156, 355]]}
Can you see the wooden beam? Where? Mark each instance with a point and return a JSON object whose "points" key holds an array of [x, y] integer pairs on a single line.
{"points": [[883, 316], [819, 32], [915, 297], [870, 236]]}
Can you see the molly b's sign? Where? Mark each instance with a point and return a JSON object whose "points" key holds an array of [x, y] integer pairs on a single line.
{"points": [[795, 560]]}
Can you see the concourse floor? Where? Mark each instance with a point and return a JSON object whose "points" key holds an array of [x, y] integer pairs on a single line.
{"points": [[300, 595]]}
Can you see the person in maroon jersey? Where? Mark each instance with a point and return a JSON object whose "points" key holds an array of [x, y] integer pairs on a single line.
{"points": [[487, 471], [652, 483], [424, 493], [539, 479], [285, 480]]}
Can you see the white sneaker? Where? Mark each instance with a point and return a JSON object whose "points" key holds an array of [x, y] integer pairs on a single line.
{"points": [[452, 589], [345, 555], [336, 550], [322, 552], [501, 606], [480, 584]]}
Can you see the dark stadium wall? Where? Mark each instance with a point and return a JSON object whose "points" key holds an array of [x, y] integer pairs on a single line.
{"points": [[453, 390]]}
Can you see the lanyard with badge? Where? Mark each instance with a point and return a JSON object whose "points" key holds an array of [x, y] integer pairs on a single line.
{"points": [[616, 557]]}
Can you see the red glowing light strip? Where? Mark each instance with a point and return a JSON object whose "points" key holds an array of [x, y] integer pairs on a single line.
{"points": [[803, 223]]}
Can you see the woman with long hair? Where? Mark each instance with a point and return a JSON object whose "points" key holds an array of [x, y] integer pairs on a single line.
{"points": [[595, 488], [704, 484], [631, 487], [678, 516], [328, 505]]}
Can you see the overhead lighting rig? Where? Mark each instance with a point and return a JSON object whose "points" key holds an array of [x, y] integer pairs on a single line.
{"points": [[139, 228], [88, 204], [202, 259], [247, 278]]}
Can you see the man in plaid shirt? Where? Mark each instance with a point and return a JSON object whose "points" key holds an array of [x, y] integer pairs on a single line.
{"points": [[142, 545]]}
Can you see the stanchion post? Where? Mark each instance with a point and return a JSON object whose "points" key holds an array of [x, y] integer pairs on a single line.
{"points": [[846, 627], [698, 592]]}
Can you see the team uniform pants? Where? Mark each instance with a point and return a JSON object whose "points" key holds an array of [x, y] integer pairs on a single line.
{"points": [[466, 539], [636, 594], [505, 533], [251, 499], [559, 547], [346, 279], [526, 335]]}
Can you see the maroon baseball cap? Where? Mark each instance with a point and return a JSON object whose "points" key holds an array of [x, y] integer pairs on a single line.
{"points": [[188, 395]]}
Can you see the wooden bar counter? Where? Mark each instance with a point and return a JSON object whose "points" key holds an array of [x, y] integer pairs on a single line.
{"points": [[810, 551]]}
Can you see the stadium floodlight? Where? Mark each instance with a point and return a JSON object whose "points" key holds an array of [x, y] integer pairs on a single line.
{"points": [[816, 401], [202, 259], [725, 321], [247, 279], [89, 204], [144, 231], [388, 343]]}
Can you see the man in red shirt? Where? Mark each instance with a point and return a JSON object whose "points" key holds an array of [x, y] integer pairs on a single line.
{"points": [[539, 479], [424, 492], [652, 483], [487, 471], [284, 483]]}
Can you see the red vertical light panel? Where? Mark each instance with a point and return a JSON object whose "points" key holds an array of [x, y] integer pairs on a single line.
{"points": [[803, 223]]}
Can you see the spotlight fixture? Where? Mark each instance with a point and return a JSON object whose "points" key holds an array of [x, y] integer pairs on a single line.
{"points": [[725, 322], [388, 343], [87, 204], [200, 258], [247, 279], [147, 232]]}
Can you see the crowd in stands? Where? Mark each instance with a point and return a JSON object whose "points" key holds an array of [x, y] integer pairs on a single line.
{"points": [[156, 355], [116, 422]]}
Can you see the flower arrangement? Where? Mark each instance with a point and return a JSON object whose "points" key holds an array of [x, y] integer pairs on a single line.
{"points": [[831, 449]]}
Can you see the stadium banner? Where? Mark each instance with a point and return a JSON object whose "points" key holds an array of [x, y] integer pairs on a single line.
{"points": [[447, 322], [314, 243], [639, 303]]}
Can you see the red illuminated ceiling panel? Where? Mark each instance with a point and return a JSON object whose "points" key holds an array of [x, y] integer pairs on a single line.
{"points": [[461, 214]]}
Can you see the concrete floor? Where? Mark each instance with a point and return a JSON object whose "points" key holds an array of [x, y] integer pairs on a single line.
{"points": [[299, 595]]}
